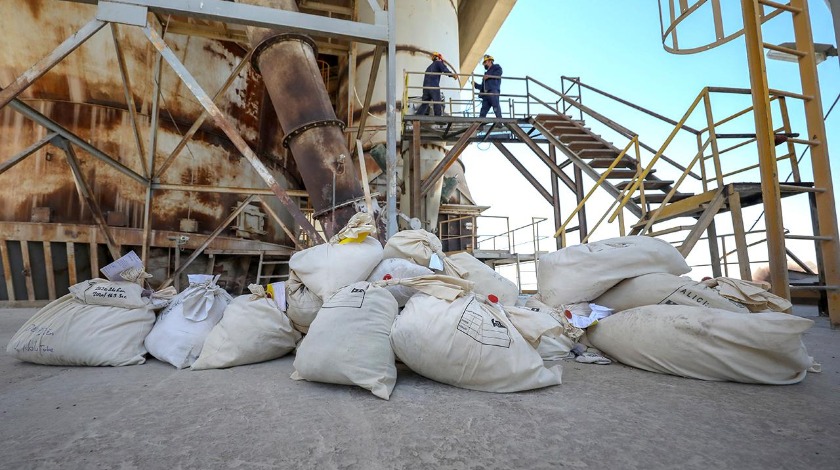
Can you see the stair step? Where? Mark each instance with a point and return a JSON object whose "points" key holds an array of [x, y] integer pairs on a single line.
{"points": [[565, 129], [657, 198], [624, 174], [566, 138], [649, 184], [578, 145], [606, 162], [599, 152]]}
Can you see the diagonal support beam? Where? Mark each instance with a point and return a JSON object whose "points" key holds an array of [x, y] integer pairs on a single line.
{"points": [[542, 155], [204, 115], [703, 223], [129, 97], [198, 251], [87, 195], [448, 159], [374, 71], [524, 171], [271, 213], [53, 126], [45, 64], [230, 130], [26, 152]]}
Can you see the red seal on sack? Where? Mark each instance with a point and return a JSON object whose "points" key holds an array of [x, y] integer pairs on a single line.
{"points": [[568, 314], [493, 298], [387, 277]]}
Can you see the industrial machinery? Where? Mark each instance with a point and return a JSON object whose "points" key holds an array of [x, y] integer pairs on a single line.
{"points": [[238, 132]]}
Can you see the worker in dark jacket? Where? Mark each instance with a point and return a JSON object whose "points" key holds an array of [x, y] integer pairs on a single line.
{"points": [[431, 85], [490, 87]]}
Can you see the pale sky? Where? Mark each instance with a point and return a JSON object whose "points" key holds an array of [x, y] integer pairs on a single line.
{"points": [[617, 47]]}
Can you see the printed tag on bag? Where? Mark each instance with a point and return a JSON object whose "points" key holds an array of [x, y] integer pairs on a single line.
{"points": [[435, 262]]}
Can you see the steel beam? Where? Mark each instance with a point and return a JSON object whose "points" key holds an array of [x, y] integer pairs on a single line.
{"points": [[87, 195], [197, 252], [374, 69], [53, 126], [391, 121], [26, 152], [416, 176], [766, 149], [224, 189], [45, 64], [129, 97], [230, 130], [524, 171], [264, 17], [542, 155], [555, 198], [270, 211], [448, 159], [829, 249]]}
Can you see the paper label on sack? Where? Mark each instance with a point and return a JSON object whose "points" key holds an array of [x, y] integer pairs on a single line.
{"points": [[435, 262], [278, 293], [113, 270], [199, 278]]}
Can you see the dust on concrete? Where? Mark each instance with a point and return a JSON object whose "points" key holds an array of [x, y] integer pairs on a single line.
{"points": [[153, 416]]}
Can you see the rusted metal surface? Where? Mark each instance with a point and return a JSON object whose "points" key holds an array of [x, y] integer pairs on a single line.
{"points": [[230, 131], [84, 191], [287, 63], [85, 95], [41, 67], [449, 159], [216, 232], [12, 161]]}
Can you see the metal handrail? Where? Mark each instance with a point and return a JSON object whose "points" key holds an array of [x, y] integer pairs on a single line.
{"points": [[630, 104], [597, 185]]}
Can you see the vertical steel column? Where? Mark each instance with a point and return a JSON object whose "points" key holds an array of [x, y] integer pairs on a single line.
{"points": [[391, 121], [825, 205], [555, 198], [766, 149], [150, 159]]}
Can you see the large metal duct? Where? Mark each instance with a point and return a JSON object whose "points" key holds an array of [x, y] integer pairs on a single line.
{"points": [[287, 63]]}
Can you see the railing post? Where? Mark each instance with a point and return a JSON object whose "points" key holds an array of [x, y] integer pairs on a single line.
{"points": [[528, 96]]}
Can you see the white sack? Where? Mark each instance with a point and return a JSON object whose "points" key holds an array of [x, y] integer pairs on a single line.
{"points": [[302, 305], [252, 330], [423, 248], [487, 280], [182, 327], [546, 329], [468, 344], [581, 273], [68, 332], [754, 295], [707, 343], [348, 343], [330, 266], [104, 292], [398, 268], [666, 289]]}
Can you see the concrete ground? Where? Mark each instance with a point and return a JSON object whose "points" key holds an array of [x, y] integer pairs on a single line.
{"points": [[153, 416]]}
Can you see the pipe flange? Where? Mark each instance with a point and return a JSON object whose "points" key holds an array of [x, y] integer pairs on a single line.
{"points": [[343, 204], [268, 42], [311, 125]]}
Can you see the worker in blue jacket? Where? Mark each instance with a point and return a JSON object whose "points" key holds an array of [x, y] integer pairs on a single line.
{"points": [[431, 85], [490, 87]]}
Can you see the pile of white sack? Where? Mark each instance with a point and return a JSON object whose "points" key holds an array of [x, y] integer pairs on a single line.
{"points": [[718, 329], [352, 308]]}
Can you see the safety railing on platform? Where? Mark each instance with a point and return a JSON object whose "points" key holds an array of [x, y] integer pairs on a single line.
{"points": [[707, 170]]}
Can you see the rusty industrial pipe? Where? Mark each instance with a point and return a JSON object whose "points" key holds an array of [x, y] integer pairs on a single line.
{"points": [[288, 65]]}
